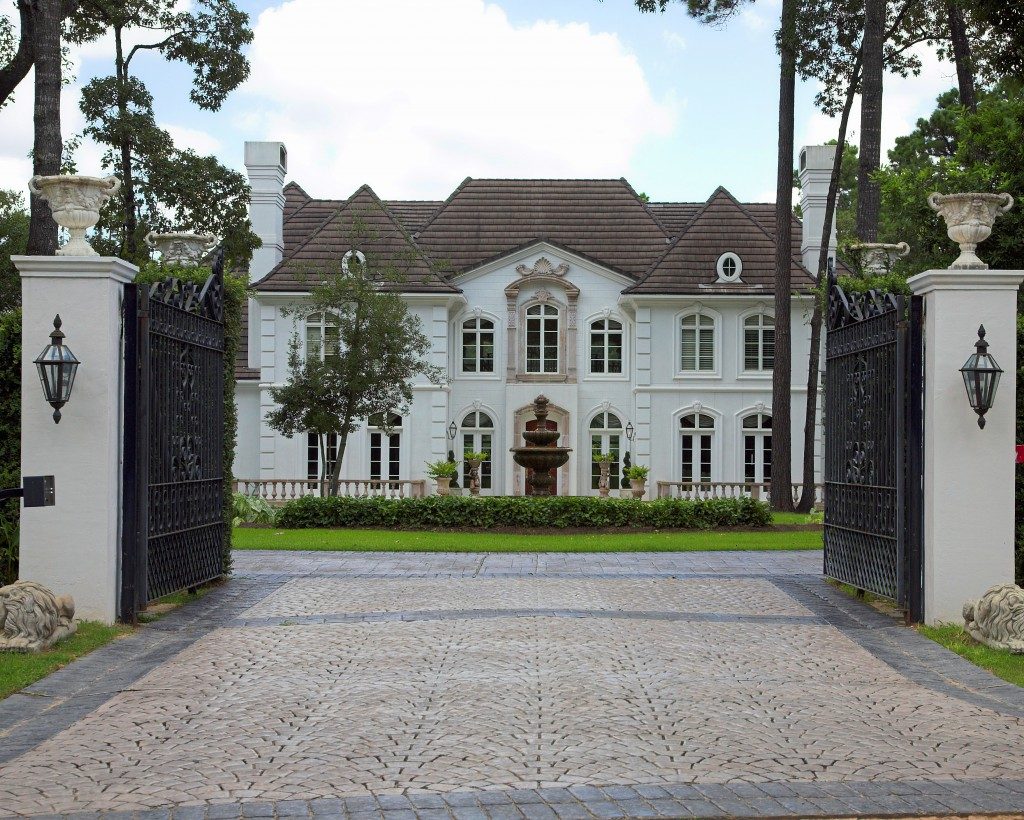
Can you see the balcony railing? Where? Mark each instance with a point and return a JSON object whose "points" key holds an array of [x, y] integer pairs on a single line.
{"points": [[280, 490], [731, 489]]}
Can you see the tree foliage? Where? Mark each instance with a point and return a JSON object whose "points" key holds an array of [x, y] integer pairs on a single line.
{"points": [[14, 221]]}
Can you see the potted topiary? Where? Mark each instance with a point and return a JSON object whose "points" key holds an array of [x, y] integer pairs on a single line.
{"points": [[442, 472], [637, 475], [474, 460], [604, 462]]}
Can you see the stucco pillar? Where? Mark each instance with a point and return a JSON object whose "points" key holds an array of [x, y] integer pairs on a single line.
{"points": [[969, 471], [73, 547]]}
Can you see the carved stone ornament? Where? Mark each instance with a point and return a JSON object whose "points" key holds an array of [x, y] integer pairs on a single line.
{"points": [[997, 620], [969, 219], [759, 407], [542, 267], [181, 247], [543, 296], [878, 258], [697, 406], [75, 203], [32, 618]]}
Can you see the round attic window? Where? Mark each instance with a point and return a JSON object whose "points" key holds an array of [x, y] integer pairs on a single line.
{"points": [[729, 267], [349, 256]]}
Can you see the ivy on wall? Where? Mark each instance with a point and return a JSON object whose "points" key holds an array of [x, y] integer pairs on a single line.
{"points": [[10, 439]]}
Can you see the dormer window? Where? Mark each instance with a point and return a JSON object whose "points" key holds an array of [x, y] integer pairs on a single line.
{"points": [[729, 267]]}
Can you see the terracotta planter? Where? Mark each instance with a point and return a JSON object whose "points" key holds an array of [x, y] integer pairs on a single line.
{"points": [[602, 482], [443, 485], [75, 203], [181, 248], [969, 219]]}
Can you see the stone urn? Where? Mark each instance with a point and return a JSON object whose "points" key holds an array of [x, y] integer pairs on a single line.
{"points": [[878, 258], [474, 475], [181, 247], [75, 203], [444, 485], [969, 218], [602, 482], [638, 486]]}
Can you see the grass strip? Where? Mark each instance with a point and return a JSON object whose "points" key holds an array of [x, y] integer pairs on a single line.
{"points": [[429, 541], [999, 662]]}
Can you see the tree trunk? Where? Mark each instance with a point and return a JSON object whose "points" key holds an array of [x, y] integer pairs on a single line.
{"points": [[17, 69], [806, 503], [782, 393], [129, 243], [962, 55], [47, 145], [868, 191]]}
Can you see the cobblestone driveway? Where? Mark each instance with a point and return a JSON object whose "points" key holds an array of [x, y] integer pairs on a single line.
{"points": [[472, 686]]}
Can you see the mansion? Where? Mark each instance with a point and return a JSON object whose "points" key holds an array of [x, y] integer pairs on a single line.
{"points": [[648, 325]]}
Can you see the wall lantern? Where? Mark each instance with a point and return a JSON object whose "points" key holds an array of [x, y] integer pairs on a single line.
{"points": [[981, 378], [452, 431], [630, 431], [57, 366]]}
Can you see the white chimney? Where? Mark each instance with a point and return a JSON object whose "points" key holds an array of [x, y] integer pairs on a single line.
{"points": [[266, 163], [815, 175]]}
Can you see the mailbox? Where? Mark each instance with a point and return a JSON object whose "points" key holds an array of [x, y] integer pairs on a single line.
{"points": [[38, 491]]}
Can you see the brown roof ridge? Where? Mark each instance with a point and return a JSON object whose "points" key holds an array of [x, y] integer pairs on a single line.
{"points": [[646, 207], [553, 243], [444, 204], [293, 185]]}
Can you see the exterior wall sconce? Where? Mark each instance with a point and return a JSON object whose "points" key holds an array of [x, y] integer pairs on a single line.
{"points": [[57, 367], [981, 378], [630, 431], [452, 431]]}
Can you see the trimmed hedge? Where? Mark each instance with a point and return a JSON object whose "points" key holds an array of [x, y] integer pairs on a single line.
{"points": [[561, 512]]}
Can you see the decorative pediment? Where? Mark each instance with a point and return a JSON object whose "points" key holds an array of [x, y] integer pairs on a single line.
{"points": [[543, 267]]}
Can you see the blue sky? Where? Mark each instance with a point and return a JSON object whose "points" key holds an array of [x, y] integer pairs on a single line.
{"points": [[413, 97]]}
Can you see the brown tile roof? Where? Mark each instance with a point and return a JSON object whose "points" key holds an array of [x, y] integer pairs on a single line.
{"points": [[413, 213], [721, 225], [363, 221], [601, 218], [675, 215]]}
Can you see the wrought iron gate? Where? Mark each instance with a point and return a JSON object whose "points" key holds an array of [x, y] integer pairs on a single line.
{"points": [[173, 529], [874, 444]]}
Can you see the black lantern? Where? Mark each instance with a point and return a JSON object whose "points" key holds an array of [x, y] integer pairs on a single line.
{"points": [[57, 366], [452, 431], [630, 431], [981, 378]]}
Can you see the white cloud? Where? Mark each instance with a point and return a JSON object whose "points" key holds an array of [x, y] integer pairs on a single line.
{"points": [[753, 20], [415, 99], [199, 141], [674, 40]]}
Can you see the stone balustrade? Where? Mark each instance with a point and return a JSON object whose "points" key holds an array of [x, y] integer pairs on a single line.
{"points": [[730, 489], [280, 490]]}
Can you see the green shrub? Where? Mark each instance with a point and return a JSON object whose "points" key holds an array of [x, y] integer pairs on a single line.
{"points": [[500, 511], [442, 469], [251, 509], [638, 472], [10, 439]]}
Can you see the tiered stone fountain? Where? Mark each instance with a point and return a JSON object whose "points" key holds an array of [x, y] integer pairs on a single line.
{"points": [[541, 453]]}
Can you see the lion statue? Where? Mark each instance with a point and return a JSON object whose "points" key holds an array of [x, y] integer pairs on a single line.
{"points": [[997, 620], [32, 618]]}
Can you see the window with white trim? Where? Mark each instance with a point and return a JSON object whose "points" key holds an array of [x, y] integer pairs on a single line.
{"points": [[385, 448], [697, 432], [697, 343], [757, 448], [759, 343], [542, 339], [478, 437], [478, 346], [315, 454], [606, 437], [322, 336], [606, 347], [729, 267]]}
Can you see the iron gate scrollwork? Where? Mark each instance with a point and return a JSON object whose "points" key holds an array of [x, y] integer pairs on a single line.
{"points": [[174, 528], [874, 444]]}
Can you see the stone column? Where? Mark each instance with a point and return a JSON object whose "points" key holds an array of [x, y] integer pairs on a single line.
{"points": [[968, 471], [73, 547]]}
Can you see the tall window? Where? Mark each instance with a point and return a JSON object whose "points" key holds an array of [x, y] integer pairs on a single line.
{"points": [[757, 448], [697, 343], [606, 437], [314, 456], [322, 337], [606, 346], [478, 437], [542, 339], [385, 448], [759, 342], [478, 346], [697, 431]]}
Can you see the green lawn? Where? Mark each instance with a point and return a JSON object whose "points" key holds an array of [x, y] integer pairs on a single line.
{"points": [[424, 541], [1001, 664], [20, 670]]}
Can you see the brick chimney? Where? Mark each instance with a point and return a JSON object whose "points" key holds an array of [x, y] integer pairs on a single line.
{"points": [[815, 173], [266, 164]]}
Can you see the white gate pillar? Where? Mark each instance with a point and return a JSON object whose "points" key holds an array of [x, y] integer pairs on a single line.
{"points": [[73, 547], [968, 471]]}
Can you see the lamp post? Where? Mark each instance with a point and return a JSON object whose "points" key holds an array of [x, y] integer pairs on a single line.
{"points": [[57, 367], [981, 378]]}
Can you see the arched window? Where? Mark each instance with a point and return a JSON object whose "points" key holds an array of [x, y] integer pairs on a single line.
{"points": [[542, 339], [697, 431], [606, 437], [478, 346], [759, 342], [478, 437], [757, 448], [606, 346], [385, 447], [322, 338], [697, 343]]}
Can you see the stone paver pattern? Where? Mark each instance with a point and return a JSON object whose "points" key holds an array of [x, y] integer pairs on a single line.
{"points": [[707, 691]]}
